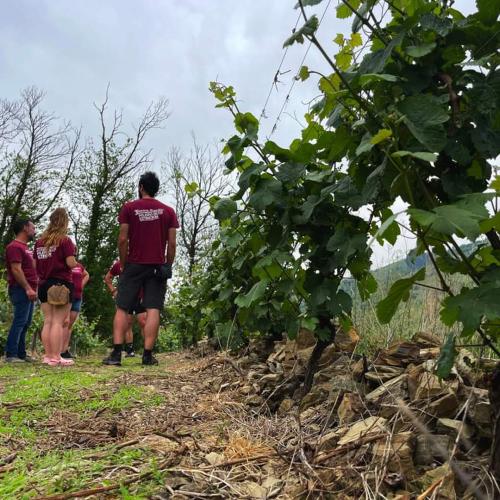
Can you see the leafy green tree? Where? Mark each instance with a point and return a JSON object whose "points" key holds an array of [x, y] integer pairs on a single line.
{"points": [[191, 181], [39, 155]]}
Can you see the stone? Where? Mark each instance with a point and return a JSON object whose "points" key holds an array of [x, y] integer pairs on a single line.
{"points": [[430, 353], [305, 338], [350, 409], [414, 373], [440, 479], [342, 383], [465, 363], [445, 406], [271, 378], [302, 356], [330, 439], [395, 388], [399, 354], [368, 427], [255, 400], [160, 444], [382, 373], [214, 458], [285, 406], [429, 386], [328, 356], [251, 489], [346, 341], [452, 427], [426, 340], [481, 416], [388, 410], [358, 369], [398, 453], [277, 355], [429, 448], [316, 395]]}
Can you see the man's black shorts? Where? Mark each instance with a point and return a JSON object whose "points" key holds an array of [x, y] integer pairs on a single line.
{"points": [[138, 308], [42, 289], [137, 276]]}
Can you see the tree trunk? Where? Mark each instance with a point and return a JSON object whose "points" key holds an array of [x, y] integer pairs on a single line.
{"points": [[494, 394], [320, 346]]}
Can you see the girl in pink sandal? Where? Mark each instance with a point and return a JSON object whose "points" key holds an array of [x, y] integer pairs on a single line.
{"points": [[54, 256]]}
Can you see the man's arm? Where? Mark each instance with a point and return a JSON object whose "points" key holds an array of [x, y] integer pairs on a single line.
{"points": [[86, 277], [123, 244], [18, 273], [71, 261], [108, 279], [171, 245]]}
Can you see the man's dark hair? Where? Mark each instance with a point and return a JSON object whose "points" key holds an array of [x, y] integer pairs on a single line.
{"points": [[19, 224], [150, 183]]}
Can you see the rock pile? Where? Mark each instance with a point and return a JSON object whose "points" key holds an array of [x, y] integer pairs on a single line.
{"points": [[389, 421]]}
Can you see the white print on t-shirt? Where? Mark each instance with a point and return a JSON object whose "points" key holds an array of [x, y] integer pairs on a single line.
{"points": [[45, 253], [149, 214]]}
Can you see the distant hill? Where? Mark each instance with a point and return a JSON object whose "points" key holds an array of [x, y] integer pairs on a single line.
{"points": [[386, 275]]}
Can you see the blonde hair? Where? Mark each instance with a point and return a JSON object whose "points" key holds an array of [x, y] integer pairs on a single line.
{"points": [[57, 229]]}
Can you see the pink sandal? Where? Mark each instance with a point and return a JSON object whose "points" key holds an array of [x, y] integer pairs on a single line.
{"points": [[65, 362], [52, 362]]}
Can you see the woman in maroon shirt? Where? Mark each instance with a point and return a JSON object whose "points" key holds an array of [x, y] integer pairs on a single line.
{"points": [[55, 257], [80, 279]]}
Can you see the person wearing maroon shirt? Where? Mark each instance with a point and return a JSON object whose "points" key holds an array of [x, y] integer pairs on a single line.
{"points": [[55, 257], [23, 282], [146, 244], [137, 310], [80, 279]]}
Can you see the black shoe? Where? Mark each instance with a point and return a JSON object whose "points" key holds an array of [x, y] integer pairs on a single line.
{"points": [[130, 354], [112, 360], [149, 361], [67, 355]]}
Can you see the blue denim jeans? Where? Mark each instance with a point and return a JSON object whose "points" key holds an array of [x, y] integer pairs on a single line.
{"points": [[23, 314]]}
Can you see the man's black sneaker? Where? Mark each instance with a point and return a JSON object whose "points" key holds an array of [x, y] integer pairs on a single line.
{"points": [[130, 353], [67, 355], [149, 361], [112, 360]]}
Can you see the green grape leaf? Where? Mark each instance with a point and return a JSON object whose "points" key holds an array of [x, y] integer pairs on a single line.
{"points": [[255, 293], [308, 29], [430, 157], [224, 208], [446, 357], [420, 50], [381, 135], [399, 291]]}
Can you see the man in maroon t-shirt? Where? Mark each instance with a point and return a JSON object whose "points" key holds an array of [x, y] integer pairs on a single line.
{"points": [[137, 310], [147, 251], [23, 283]]}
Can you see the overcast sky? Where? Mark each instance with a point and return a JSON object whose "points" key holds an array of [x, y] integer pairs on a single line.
{"points": [[172, 48]]}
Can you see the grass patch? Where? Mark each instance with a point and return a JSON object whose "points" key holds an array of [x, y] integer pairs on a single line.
{"points": [[32, 393], [73, 470]]}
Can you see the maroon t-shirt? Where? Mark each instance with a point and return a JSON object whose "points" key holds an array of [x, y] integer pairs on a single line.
{"points": [[51, 262], [149, 221], [115, 269], [17, 251], [77, 273]]}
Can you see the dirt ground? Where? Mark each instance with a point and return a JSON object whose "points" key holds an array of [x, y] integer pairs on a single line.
{"points": [[180, 430]]}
